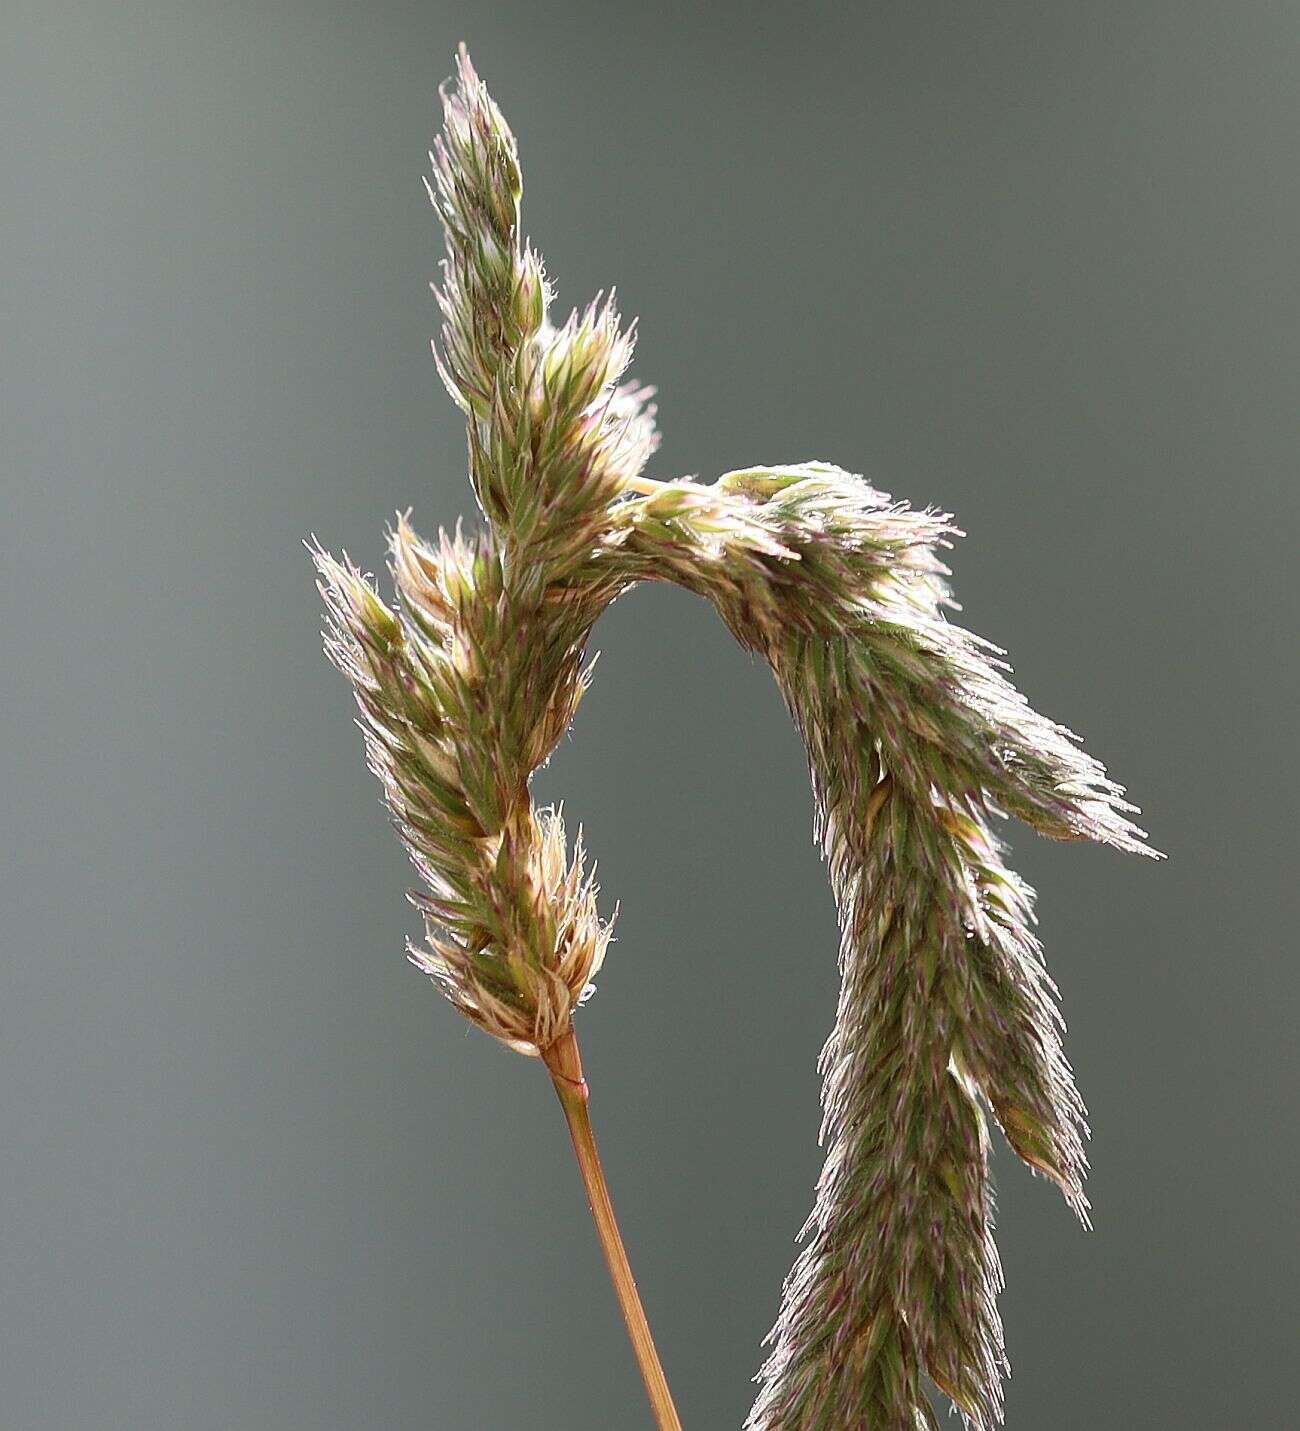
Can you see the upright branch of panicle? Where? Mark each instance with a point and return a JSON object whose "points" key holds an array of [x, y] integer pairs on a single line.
{"points": [[915, 740], [467, 685]]}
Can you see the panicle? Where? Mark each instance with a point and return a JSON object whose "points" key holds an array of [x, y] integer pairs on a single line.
{"points": [[466, 687], [916, 739]]}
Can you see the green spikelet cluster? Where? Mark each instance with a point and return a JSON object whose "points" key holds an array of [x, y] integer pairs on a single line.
{"points": [[915, 740], [466, 686]]}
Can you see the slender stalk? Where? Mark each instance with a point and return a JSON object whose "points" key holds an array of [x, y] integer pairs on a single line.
{"points": [[565, 1065]]}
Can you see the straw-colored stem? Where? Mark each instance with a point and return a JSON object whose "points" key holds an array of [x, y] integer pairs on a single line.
{"points": [[565, 1064]]}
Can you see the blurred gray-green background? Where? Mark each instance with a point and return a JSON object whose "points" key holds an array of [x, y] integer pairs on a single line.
{"points": [[1034, 262]]}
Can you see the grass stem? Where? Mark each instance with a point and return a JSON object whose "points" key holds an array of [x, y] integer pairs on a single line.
{"points": [[564, 1062]]}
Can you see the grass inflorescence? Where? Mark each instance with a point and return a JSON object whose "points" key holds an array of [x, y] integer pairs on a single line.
{"points": [[916, 740]]}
